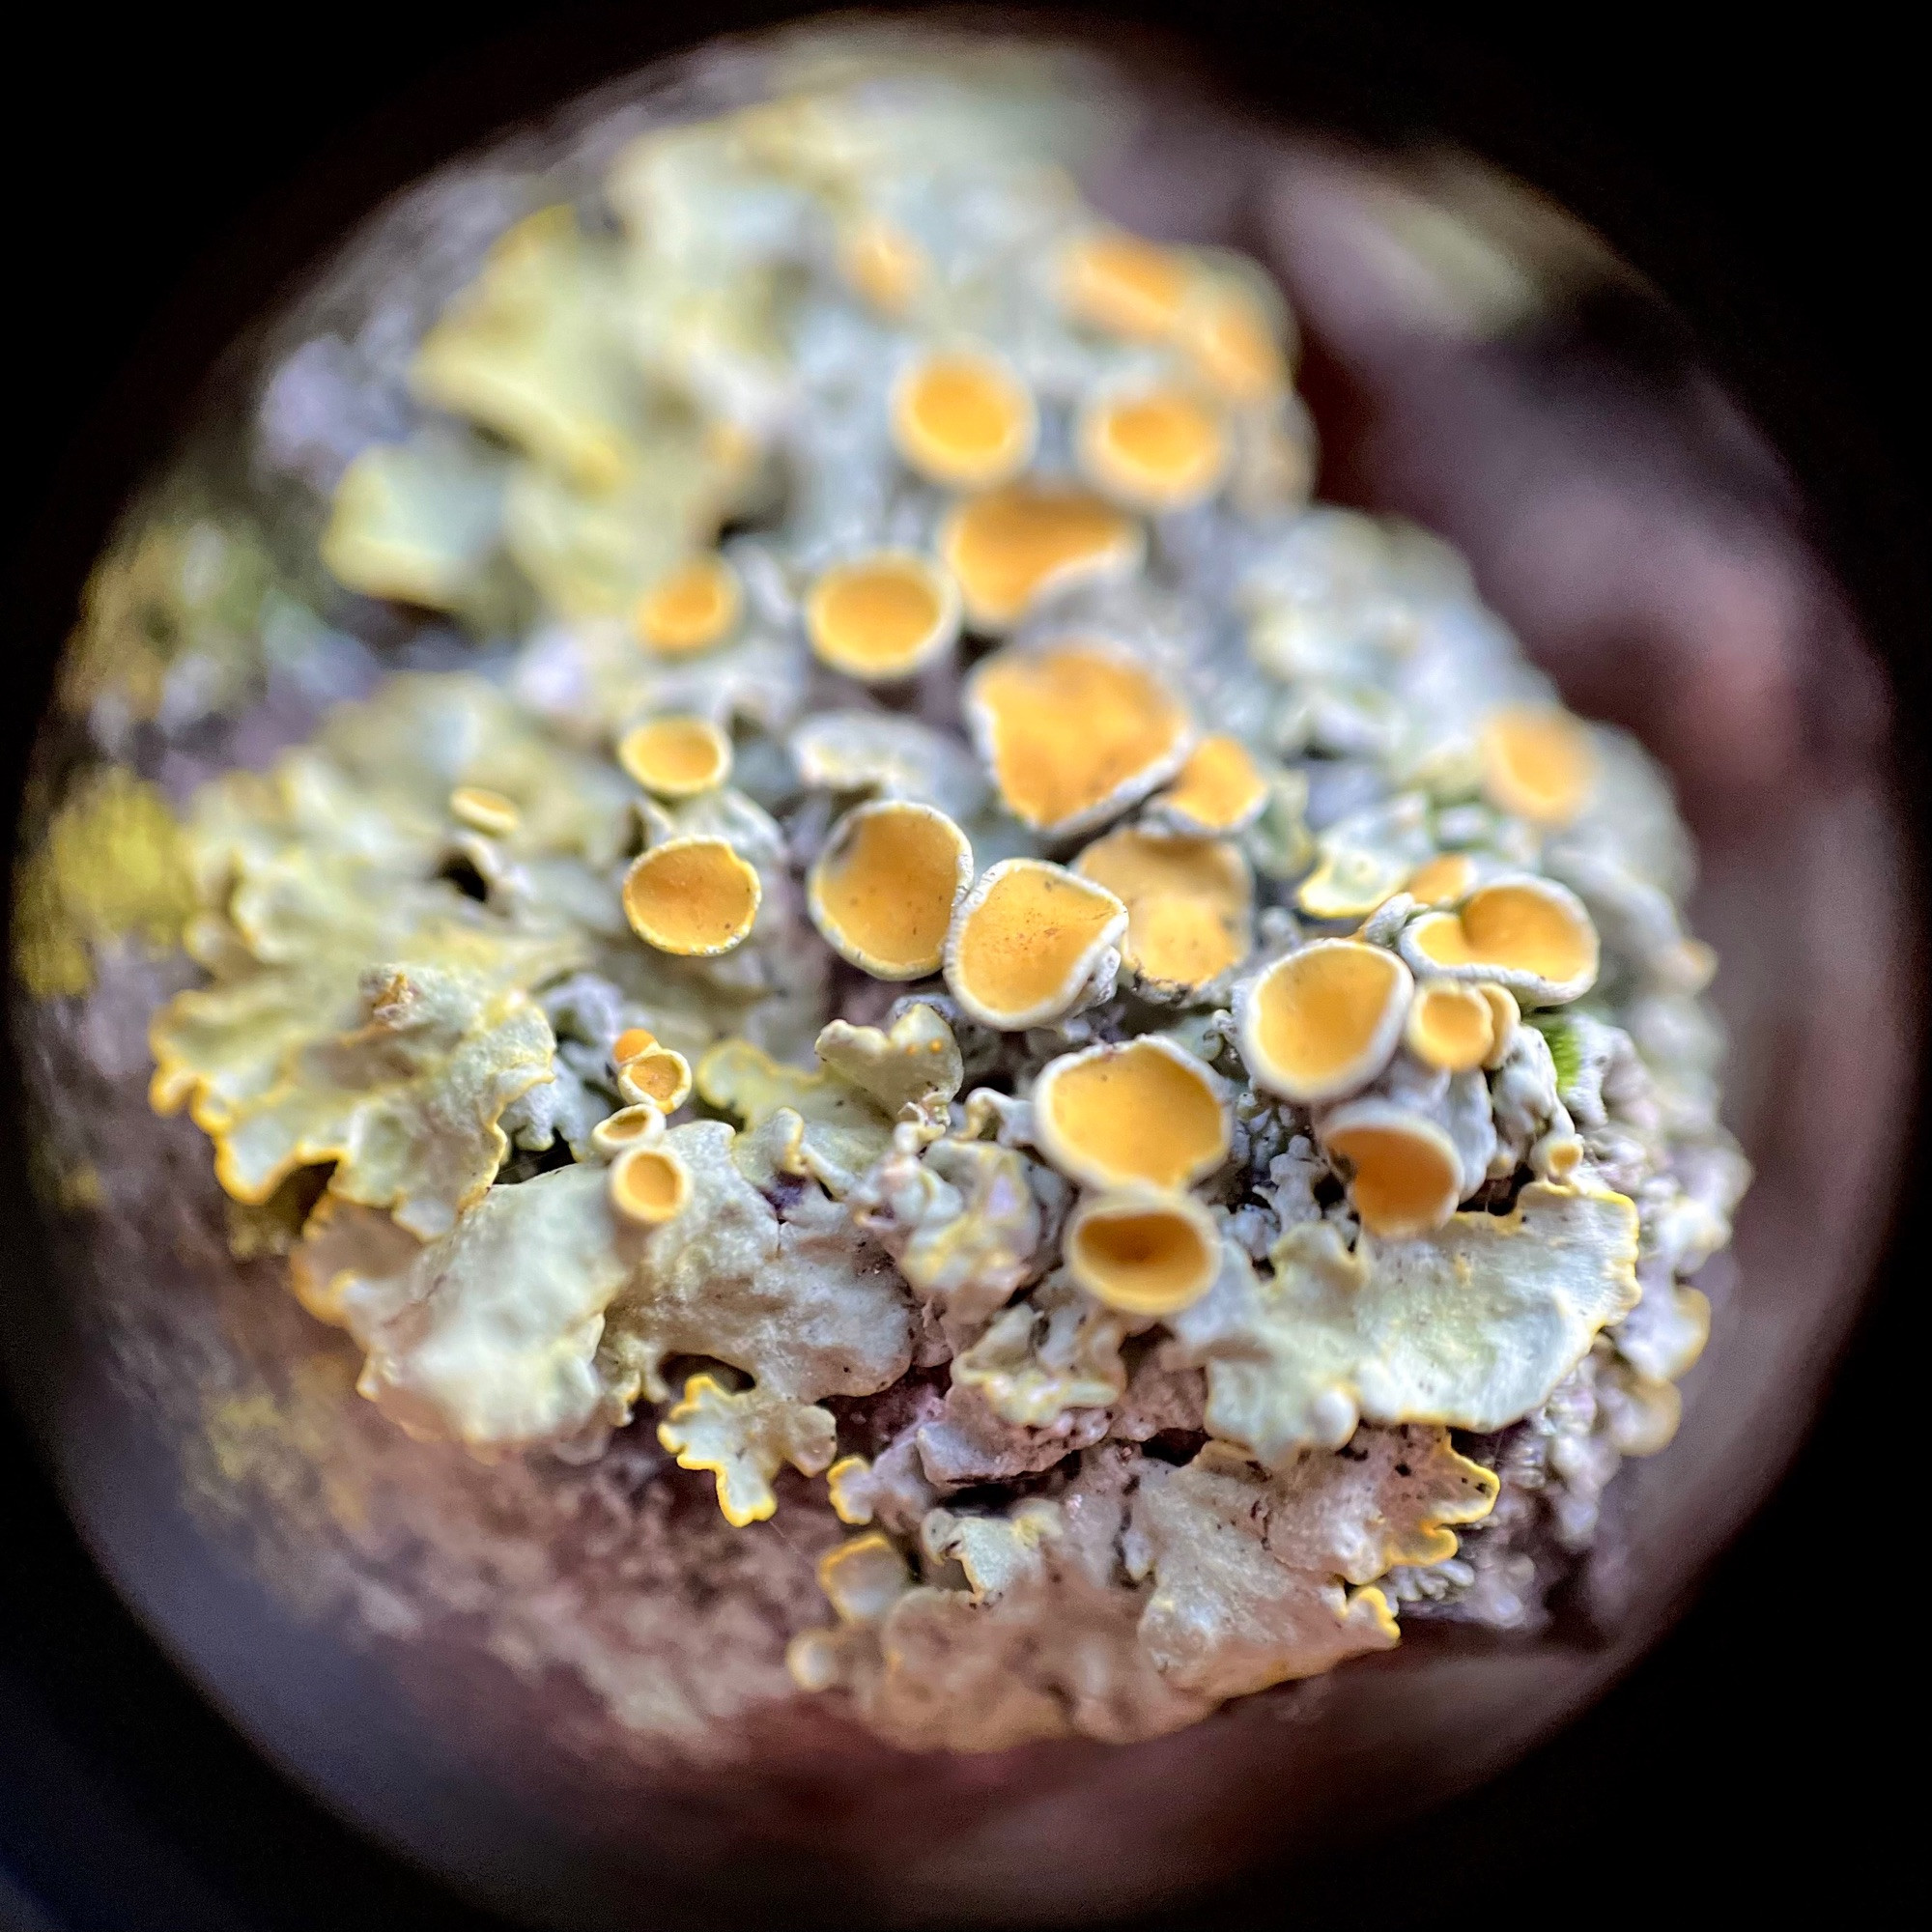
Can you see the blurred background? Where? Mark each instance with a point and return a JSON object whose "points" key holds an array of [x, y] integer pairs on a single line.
{"points": [[171, 176]]}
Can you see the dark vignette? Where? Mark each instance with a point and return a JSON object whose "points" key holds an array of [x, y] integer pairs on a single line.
{"points": [[170, 174]]}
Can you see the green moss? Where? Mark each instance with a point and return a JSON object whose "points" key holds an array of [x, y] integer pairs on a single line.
{"points": [[1564, 1050]]}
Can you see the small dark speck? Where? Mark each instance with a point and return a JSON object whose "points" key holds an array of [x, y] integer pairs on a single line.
{"points": [[1402, 1468]]}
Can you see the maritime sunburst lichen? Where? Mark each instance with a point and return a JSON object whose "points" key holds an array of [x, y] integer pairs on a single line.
{"points": [[958, 937], [1143, 1112], [964, 419], [1074, 732], [1031, 943], [1013, 550], [884, 889]]}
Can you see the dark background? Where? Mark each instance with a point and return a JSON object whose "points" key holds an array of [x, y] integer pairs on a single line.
{"points": [[165, 172]]}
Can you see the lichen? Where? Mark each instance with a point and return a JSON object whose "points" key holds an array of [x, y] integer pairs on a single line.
{"points": [[743, 1438], [792, 1301], [962, 939], [1263, 1575], [169, 617], [404, 1103], [113, 864], [1140, 1596], [492, 1338], [1472, 1327], [826, 1127]]}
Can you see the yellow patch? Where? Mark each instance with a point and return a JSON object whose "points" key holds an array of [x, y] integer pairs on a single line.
{"points": [[882, 617], [1189, 902], [484, 810], [1323, 1021], [1154, 449], [115, 864], [1119, 283], [650, 1185], [1142, 1254], [964, 419], [1220, 789], [1012, 548], [691, 609], [657, 1077], [1233, 344], [692, 896], [1443, 880], [1073, 733], [884, 889], [1027, 942], [1405, 1175], [1538, 765], [883, 264], [1526, 929], [1451, 1025], [631, 1042], [1143, 1113], [676, 757]]}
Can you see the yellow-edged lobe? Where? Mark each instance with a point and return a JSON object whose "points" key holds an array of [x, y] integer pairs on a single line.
{"points": [[704, 1430], [1376, 1602], [838, 1481], [863, 1576], [484, 810]]}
